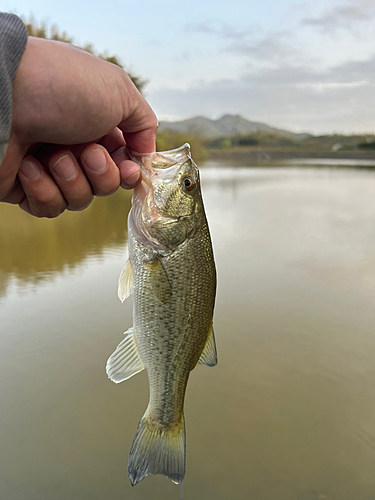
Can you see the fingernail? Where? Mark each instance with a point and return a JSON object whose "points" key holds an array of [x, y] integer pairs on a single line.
{"points": [[31, 170], [131, 180], [65, 168], [96, 161]]}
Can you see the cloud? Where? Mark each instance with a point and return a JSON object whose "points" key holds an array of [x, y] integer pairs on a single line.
{"points": [[342, 17], [184, 57], [219, 29], [271, 48], [293, 77], [340, 98], [249, 42]]}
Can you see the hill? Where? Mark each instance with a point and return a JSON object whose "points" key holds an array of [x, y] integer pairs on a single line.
{"points": [[226, 126]]}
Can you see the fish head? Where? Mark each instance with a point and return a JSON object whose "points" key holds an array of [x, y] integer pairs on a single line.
{"points": [[167, 203]]}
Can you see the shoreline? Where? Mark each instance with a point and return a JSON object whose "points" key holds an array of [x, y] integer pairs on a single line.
{"points": [[264, 156]]}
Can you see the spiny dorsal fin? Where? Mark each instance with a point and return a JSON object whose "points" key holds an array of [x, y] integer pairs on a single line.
{"points": [[125, 282], [125, 361], [209, 354]]}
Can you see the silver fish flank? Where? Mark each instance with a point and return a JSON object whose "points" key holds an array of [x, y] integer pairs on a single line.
{"points": [[171, 270]]}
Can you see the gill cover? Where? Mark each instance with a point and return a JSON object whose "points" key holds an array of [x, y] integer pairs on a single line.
{"points": [[165, 202]]}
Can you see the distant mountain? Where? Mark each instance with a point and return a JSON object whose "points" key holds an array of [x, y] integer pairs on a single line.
{"points": [[227, 125]]}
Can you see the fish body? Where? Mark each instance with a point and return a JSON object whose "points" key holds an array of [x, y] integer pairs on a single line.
{"points": [[172, 272]]}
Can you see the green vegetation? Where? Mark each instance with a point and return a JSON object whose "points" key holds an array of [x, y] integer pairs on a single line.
{"points": [[260, 139], [269, 140], [367, 145], [53, 33], [263, 141], [170, 139]]}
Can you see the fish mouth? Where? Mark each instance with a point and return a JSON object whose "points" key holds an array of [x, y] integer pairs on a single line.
{"points": [[156, 168], [161, 160], [145, 211]]}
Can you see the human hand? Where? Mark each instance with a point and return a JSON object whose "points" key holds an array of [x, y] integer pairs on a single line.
{"points": [[73, 113]]}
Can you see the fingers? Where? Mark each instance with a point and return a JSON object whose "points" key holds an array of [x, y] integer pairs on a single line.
{"points": [[43, 197], [81, 172], [70, 179], [58, 179], [100, 169], [130, 172], [112, 141]]}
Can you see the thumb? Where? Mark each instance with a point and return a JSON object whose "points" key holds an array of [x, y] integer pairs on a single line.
{"points": [[142, 141], [140, 125]]}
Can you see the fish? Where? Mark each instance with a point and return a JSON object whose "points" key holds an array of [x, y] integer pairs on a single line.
{"points": [[171, 271]]}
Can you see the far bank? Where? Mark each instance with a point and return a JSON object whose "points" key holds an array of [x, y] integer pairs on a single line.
{"points": [[264, 156]]}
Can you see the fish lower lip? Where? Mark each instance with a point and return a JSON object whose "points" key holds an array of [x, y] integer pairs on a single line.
{"points": [[142, 190]]}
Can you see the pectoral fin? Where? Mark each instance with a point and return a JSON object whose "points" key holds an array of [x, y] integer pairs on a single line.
{"points": [[209, 354], [125, 282], [125, 361], [159, 282]]}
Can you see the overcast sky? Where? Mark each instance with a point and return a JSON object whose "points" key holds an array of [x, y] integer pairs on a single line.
{"points": [[300, 65]]}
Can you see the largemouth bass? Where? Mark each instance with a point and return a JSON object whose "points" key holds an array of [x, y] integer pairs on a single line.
{"points": [[172, 272]]}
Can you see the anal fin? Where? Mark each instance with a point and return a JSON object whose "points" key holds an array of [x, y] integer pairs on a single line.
{"points": [[125, 361], [209, 354]]}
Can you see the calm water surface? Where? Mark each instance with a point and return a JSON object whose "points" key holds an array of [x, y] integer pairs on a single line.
{"points": [[288, 413]]}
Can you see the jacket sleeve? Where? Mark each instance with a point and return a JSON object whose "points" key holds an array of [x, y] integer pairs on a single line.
{"points": [[13, 38]]}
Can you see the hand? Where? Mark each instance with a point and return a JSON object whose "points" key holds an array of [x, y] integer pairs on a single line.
{"points": [[73, 113]]}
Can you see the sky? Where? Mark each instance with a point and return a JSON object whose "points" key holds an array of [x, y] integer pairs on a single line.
{"points": [[305, 66]]}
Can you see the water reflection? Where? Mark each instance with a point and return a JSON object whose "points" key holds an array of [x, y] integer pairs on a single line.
{"points": [[33, 249], [288, 413]]}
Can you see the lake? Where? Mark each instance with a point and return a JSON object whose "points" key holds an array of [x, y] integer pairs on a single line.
{"points": [[289, 411]]}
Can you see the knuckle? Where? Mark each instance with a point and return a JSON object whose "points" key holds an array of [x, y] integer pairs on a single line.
{"points": [[54, 214], [79, 205], [7, 186], [106, 190], [154, 124], [47, 212], [47, 207]]}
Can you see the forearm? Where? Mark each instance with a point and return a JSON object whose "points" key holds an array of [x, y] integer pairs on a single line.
{"points": [[13, 38]]}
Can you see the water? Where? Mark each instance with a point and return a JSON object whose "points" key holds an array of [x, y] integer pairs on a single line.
{"points": [[289, 411]]}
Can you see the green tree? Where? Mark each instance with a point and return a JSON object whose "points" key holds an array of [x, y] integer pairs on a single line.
{"points": [[171, 139]]}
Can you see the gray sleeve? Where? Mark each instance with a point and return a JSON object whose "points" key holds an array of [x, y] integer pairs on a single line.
{"points": [[13, 38]]}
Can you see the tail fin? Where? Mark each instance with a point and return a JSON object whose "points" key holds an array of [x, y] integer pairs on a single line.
{"points": [[157, 450]]}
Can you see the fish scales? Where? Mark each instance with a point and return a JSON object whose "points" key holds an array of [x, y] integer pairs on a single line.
{"points": [[168, 341], [174, 282]]}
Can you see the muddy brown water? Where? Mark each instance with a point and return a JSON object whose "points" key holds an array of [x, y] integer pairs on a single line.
{"points": [[289, 411]]}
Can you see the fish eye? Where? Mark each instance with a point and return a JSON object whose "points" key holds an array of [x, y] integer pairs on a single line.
{"points": [[188, 183]]}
